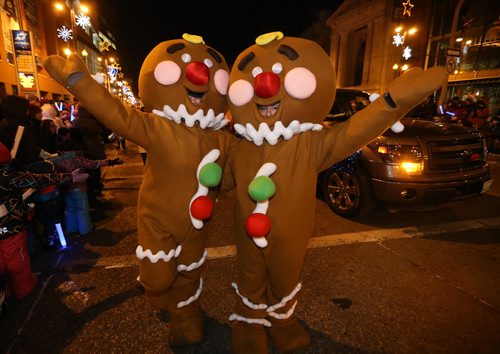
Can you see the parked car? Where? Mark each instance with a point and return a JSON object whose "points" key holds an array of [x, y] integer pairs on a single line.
{"points": [[429, 163]]}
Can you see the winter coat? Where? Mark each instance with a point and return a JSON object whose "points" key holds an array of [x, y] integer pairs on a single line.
{"points": [[92, 131], [15, 110], [12, 183]]}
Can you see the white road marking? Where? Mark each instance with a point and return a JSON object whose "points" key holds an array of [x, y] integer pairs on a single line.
{"points": [[326, 241]]}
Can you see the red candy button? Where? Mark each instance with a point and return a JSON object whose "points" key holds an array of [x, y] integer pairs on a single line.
{"points": [[202, 208], [258, 225]]}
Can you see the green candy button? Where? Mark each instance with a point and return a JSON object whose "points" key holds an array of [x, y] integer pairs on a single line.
{"points": [[261, 188], [210, 174]]}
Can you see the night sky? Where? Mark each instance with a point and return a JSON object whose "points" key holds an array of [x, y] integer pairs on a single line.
{"points": [[141, 25]]}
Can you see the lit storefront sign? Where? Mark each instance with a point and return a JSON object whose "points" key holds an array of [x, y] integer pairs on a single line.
{"points": [[24, 61]]}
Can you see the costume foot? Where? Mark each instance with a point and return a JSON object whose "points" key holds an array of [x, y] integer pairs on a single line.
{"points": [[288, 335], [186, 326], [249, 338]]}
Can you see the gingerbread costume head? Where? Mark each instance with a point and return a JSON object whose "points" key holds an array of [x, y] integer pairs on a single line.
{"points": [[282, 79], [185, 79]]}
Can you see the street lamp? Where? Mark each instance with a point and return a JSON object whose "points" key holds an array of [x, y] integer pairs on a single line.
{"points": [[85, 55], [106, 70]]}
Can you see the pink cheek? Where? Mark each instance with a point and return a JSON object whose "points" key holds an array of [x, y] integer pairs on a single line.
{"points": [[167, 72], [240, 93], [221, 80], [300, 83]]}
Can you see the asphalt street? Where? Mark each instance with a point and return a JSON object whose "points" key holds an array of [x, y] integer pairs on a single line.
{"points": [[411, 283]]}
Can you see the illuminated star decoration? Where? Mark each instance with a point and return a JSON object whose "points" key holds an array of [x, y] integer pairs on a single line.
{"points": [[64, 33], [83, 21], [398, 39], [104, 46], [408, 6], [407, 53]]}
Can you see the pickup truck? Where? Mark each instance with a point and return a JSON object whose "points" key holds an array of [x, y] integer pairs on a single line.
{"points": [[430, 163]]}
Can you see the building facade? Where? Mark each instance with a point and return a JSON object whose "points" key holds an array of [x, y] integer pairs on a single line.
{"points": [[56, 27], [372, 42]]}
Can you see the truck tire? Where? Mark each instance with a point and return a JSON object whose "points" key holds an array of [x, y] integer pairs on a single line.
{"points": [[348, 193]]}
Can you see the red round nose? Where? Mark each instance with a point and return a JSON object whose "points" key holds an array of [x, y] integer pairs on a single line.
{"points": [[266, 84], [197, 73]]}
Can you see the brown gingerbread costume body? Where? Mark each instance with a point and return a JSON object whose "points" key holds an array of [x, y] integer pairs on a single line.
{"points": [[280, 90], [184, 83]]}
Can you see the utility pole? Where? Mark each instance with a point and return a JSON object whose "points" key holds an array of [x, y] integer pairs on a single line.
{"points": [[451, 44]]}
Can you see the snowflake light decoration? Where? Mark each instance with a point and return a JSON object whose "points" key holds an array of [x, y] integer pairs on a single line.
{"points": [[64, 33], [398, 39], [83, 21], [407, 53]]}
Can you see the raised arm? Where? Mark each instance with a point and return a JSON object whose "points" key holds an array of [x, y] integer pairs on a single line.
{"points": [[124, 120], [402, 95]]}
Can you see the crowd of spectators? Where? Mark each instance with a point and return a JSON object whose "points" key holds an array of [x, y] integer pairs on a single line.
{"points": [[470, 112], [51, 155]]}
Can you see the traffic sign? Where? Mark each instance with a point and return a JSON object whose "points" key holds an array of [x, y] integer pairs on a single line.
{"points": [[453, 52], [451, 65]]}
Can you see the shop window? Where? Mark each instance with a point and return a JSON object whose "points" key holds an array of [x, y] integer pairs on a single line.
{"points": [[3, 91]]}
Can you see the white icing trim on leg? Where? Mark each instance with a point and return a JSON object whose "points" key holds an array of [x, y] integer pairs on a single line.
{"points": [[247, 302], [261, 321], [212, 156], [141, 254], [284, 316], [192, 298], [285, 299], [194, 265]]}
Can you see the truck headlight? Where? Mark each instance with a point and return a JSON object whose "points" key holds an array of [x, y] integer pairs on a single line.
{"points": [[406, 157]]}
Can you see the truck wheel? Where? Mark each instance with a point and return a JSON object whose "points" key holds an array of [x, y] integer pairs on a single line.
{"points": [[348, 194]]}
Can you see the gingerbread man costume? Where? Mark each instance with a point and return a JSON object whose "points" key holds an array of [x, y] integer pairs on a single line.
{"points": [[183, 82], [280, 90]]}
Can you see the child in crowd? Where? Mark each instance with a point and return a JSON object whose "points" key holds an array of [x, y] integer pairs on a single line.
{"points": [[76, 212]]}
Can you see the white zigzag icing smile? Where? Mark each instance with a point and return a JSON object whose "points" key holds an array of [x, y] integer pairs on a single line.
{"points": [[209, 120], [271, 136]]}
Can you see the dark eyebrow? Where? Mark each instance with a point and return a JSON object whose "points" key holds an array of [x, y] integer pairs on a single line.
{"points": [[175, 47], [215, 55], [287, 51], [244, 62]]}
